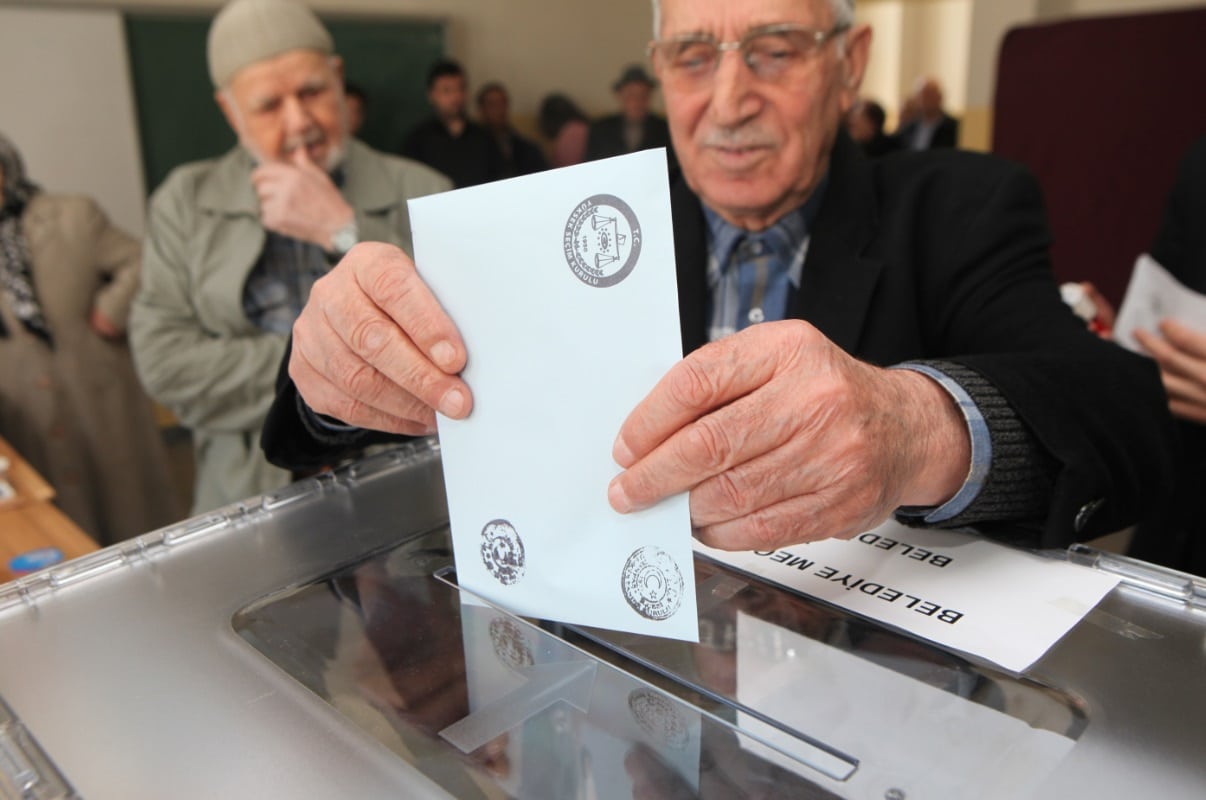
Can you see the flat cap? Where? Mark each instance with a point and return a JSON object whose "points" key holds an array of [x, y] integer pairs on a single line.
{"points": [[247, 31]]}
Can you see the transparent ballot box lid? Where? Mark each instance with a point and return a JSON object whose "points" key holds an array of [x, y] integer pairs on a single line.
{"points": [[315, 643]]}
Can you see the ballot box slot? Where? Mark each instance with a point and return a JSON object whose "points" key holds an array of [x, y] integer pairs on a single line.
{"points": [[471, 694]]}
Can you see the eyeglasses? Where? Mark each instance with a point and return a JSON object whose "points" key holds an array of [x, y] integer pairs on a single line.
{"points": [[772, 52]]}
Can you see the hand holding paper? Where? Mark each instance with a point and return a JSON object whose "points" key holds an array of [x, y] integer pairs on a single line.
{"points": [[563, 287], [781, 437], [1156, 302], [373, 348]]}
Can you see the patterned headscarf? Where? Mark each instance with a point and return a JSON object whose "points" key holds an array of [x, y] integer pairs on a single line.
{"points": [[16, 276]]}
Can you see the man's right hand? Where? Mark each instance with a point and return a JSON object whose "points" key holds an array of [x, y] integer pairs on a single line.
{"points": [[374, 349]]}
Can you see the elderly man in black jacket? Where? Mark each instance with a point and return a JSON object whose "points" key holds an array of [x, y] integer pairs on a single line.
{"points": [[863, 338]]}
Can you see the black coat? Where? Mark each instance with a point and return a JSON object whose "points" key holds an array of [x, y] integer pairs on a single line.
{"points": [[945, 135], [1176, 534], [606, 138]]}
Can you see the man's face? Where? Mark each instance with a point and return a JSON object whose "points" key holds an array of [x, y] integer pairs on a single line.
{"points": [[634, 100], [289, 101], [447, 96], [930, 99], [494, 110], [754, 149]]}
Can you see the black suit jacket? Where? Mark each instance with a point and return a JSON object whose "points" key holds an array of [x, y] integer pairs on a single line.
{"points": [[940, 256], [606, 138], [945, 135], [1175, 535]]}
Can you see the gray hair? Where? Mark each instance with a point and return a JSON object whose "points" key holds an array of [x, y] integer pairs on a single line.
{"points": [[843, 14]]}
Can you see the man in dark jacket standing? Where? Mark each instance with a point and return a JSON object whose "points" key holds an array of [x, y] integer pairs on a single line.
{"points": [[636, 127]]}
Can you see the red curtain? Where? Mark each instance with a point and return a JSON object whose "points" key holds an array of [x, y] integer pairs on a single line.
{"points": [[1102, 111]]}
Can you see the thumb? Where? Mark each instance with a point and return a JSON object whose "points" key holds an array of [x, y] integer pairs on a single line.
{"points": [[301, 158]]}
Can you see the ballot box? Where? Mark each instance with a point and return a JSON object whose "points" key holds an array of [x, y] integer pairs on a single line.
{"points": [[315, 644]]}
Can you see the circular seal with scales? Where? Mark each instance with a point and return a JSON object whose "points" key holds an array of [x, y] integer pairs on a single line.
{"points": [[602, 240], [502, 551], [652, 583], [658, 718]]}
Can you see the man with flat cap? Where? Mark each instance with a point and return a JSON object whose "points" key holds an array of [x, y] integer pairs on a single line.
{"points": [[235, 243], [636, 127]]}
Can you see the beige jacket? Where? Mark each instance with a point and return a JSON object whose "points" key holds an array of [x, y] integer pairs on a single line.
{"points": [[76, 411], [195, 349]]}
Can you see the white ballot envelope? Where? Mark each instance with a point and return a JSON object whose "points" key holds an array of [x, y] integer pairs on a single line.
{"points": [[1153, 295], [563, 287]]}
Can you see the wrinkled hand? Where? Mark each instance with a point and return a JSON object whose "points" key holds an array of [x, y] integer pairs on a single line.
{"points": [[1181, 354], [781, 437], [298, 199], [373, 348]]}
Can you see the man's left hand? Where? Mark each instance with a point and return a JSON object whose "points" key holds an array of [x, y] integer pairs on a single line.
{"points": [[1181, 354], [298, 199], [781, 437]]}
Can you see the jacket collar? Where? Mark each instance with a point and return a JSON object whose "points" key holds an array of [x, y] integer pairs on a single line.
{"points": [[227, 189], [838, 281]]}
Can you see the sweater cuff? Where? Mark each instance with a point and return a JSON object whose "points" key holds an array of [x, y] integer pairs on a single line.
{"points": [[1020, 479]]}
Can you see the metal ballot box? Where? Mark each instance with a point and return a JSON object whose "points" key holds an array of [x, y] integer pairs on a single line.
{"points": [[314, 644]]}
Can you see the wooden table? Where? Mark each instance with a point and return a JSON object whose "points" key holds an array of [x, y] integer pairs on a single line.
{"points": [[30, 521]]}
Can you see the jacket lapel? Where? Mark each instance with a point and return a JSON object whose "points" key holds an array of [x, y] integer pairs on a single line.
{"points": [[838, 280]]}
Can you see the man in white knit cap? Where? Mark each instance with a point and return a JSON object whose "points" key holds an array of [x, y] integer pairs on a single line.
{"points": [[235, 243]]}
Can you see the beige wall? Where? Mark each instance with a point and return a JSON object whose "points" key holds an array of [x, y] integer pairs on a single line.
{"points": [[66, 104], [534, 46]]}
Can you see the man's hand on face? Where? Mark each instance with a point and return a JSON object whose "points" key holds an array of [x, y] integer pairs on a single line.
{"points": [[374, 349], [1181, 353], [298, 199], [781, 437]]}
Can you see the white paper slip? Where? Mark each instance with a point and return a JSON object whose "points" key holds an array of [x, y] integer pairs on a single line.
{"points": [[563, 287], [1153, 295], [956, 589]]}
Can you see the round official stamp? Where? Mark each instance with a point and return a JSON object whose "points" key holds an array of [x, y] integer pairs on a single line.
{"points": [[652, 583], [658, 718], [602, 240], [502, 551], [510, 645]]}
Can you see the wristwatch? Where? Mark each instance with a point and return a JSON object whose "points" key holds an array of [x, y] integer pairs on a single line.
{"points": [[345, 238]]}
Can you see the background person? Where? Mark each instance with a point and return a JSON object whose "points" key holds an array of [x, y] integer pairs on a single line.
{"points": [[235, 243], [566, 128], [448, 141], [517, 155], [70, 402], [636, 127], [928, 126], [1175, 534]]}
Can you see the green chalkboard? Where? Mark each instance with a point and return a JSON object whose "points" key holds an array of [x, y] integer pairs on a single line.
{"points": [[178, 120]]}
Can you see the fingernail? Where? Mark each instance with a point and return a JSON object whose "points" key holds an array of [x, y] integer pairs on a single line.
{"points": [[443, 354], [618, 498], [621, 454], [452, 404]]}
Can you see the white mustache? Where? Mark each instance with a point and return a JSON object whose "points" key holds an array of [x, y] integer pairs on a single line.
{"points": [[737, 138]]}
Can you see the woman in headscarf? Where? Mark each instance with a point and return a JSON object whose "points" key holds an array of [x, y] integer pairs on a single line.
{"points": [[70, 402]]}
